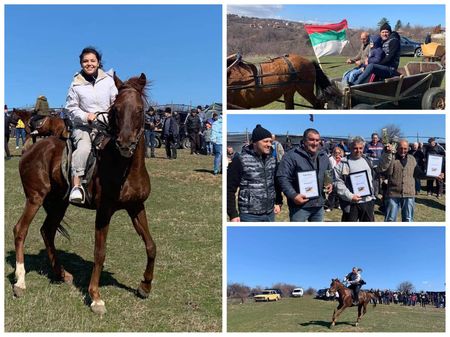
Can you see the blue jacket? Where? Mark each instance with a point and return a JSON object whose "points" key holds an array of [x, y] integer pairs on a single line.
{"points": [[298, 160], [216, 131]]}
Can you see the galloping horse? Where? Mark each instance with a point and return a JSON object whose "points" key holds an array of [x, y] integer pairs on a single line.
{"points": [[255, 85], [120, 181], [345, 300]]}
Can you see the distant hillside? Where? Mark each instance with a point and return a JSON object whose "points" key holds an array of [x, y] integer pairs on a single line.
{"points": [[256, 36]]}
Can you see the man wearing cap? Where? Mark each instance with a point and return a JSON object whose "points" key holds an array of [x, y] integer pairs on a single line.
{"points": [[434, 148], [253, 172], [308, 157], [170, 134], [389, 64], [355, 282]]}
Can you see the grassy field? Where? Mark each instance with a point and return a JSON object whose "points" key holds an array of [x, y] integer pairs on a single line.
{"points": [[331, 70], [428, 208], [309, 315], [184, 213]]}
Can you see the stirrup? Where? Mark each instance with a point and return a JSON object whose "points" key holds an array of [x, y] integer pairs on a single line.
{"points": [[77, 198]]}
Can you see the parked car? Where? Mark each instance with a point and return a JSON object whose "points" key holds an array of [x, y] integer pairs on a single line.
{"points": [[322, 294], [267, 296], [410, 47], [297, 292]]}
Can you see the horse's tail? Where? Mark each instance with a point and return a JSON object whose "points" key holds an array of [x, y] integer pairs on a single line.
{"points": [[322, 81], [374, 298]]}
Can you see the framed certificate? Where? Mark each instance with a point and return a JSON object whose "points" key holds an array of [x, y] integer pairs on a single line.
{"points": [[308, 184], [434, 165], [360, 183]]}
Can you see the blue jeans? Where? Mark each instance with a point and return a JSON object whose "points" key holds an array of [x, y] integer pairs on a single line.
{"points": [[217, 148], [379, 71], [209, 148], [150, 139], [405, 204], [312, 214], [20, 134], [351, 75], [246, 217]]}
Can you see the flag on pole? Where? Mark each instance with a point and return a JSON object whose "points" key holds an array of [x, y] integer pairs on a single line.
{"points": [[328, 39]]}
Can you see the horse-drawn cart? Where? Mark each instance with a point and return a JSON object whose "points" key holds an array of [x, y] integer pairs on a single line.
{"points": [[417, 86]]}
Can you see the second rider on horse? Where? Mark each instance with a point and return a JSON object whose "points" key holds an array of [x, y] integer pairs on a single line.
{"points": [[355, 282]]}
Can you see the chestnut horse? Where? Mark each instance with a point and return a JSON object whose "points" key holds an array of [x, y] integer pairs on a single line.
{"points": [[120, 181], [346, 300], [48, 126], [255, 85]]}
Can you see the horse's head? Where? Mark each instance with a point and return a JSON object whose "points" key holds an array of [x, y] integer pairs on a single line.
{"points": [[126, 116], [22, 114], [334, 286]]}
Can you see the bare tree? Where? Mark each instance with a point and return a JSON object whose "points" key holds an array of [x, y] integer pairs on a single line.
{"points": [[238, 290], [405, 287], [393, 131], [286, 289], [310, 291]]}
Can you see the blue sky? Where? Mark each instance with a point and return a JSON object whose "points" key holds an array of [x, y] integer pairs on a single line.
{"points": [[358, 16], [344, 125], [178, 47], [312, 256]]}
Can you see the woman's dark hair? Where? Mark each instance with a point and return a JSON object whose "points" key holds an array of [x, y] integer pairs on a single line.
{"points": [[92, 50]]}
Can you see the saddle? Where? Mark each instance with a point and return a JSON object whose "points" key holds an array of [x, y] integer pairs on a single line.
{"points": [[100, 139]]}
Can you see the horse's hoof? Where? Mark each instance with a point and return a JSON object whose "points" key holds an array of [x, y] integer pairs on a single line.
{"points": [[18, 292], [142, 293], [98, 308], [68, 278], [356, 324]]}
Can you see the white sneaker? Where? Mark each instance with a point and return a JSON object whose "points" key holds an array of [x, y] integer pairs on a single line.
{"points": [[17, 147], [76, 195]]}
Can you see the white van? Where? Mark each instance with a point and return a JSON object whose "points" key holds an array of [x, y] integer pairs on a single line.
{"points": [[297, 292]]}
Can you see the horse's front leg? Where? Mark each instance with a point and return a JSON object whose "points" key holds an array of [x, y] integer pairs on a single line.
{"points": [[102, 220], [336, 314], [139, 219], [20, 234]]}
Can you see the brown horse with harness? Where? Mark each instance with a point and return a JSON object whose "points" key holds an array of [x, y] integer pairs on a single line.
{"points": [[120, 181], [345, 300], [252, 85]]}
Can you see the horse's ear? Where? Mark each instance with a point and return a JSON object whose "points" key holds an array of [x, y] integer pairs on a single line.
{"points": [[143, 79], [117, 81]]}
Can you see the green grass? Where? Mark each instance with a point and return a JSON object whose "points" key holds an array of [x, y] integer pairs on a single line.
{"points": [[428, 208], [184, 213], [331, 70], [309, 315]]}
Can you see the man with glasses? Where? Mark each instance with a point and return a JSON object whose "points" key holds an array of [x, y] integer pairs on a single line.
{"points": [[350, 75], [401, 168], [308, 158]]}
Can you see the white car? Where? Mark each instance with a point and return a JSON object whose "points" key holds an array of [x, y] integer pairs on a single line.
{"points": [[297, 292]]}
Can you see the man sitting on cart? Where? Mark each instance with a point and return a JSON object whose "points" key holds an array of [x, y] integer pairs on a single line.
{"points": [[389, 64]]}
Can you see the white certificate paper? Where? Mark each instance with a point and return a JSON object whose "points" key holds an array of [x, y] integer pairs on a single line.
{"points": [[360, 183], [308, 184], [434, 165]]}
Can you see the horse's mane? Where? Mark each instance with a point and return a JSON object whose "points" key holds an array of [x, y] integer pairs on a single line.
{"points": [[133, 83]]}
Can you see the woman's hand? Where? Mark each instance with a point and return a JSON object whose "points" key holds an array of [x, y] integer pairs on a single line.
{"points": [[91, 117]]}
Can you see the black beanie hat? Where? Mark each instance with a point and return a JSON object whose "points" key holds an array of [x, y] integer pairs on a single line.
{"points": [[260, 133], [386, 26]]}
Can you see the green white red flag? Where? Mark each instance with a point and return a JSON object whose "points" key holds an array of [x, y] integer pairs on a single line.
{"points": [[328, 39]]}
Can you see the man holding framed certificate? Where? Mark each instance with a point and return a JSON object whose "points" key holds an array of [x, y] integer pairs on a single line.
{"points": [[354, 184], [401, 169], [435, 160], [303, 178]]}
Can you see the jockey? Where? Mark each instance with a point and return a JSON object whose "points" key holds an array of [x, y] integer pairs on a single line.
{"points": [[355, 282], [92, 90]]}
